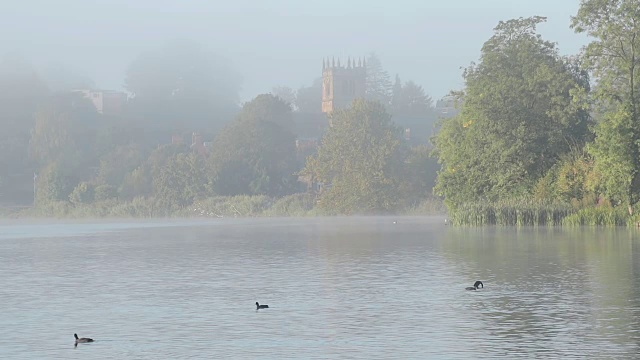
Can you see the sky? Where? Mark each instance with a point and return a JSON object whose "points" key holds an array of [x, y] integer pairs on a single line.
{"points": [[276, 42]]}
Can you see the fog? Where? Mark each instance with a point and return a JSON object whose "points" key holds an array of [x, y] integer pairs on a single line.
{"points": [[275, 43], [114, 108]]}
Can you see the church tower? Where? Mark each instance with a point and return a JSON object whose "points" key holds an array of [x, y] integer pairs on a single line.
{"points": [[342, 84]]}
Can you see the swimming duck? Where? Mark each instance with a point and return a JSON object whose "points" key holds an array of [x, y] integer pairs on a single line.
{"points": [[82, 340], [258, 306], [475, 285]]}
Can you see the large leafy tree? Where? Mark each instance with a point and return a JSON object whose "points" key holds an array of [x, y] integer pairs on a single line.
{"points": [[614, 58], [255, 154], [360, 161], [520, 114]]}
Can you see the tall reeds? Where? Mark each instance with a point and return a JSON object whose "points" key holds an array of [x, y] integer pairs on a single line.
{"points": [[599, 216], [510, 214]]}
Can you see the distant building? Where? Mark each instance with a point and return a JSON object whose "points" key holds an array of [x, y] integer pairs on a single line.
{"points": [[106, 102], [342, 84], [199, 146]]}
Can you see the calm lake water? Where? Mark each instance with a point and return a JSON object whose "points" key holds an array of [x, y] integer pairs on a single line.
{"points": [[344, 288]]}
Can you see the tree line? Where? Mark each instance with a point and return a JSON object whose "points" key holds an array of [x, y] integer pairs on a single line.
{"points": [[84, 159], [534, 127]]}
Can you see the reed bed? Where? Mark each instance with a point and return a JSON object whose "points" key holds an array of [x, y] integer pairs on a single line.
{"points": [[510, 214], [600, 216]]}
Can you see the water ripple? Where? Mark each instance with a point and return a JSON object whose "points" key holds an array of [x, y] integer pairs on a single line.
{"points": [[356, 288]]}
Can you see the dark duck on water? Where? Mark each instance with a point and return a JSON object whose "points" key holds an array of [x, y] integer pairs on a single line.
{"points": [[475, 285], [258, 306], [82, 340]]}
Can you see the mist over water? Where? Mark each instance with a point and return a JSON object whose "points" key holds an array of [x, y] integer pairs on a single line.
{"points": [[356, 288]]}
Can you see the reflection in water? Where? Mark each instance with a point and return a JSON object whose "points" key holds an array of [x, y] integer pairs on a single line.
{"points": [[562, 292], [356, 288]]}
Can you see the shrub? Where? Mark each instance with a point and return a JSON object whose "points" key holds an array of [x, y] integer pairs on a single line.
{"points": [[82, 194]]}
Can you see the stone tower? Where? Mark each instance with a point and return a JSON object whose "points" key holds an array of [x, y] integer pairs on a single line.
{"points": [[342, 84]]}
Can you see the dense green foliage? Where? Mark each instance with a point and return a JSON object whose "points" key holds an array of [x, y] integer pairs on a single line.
{"points": [[255, 154], [364, 165], [520, 115], [614, 58], [524, 133]]}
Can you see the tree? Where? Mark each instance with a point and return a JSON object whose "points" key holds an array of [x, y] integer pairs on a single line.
{"points": [[182, 86], [419, 175], [136, 183], [21, 91], [182, 69], [614, 58], [520, 114], [412, 102], [309, 99], [360, 161], [65, 127], [396, 94], [55, 183], [287, 94], [82, 194], [115, 165], [378, 82], [413, 109], [256, 153], [181, 181]]}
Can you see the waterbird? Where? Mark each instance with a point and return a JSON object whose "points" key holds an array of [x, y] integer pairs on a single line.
{"points": [[258, 306], [475, 285], [82, 340]]}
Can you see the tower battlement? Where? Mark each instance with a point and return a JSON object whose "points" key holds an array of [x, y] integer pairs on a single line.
{"points": [[341, 84]]}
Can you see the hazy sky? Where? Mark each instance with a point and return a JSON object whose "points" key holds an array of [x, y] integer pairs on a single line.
{"points": [[274, 42]]}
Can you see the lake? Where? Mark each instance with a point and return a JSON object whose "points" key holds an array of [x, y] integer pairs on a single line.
{"points": [[337, 288]]}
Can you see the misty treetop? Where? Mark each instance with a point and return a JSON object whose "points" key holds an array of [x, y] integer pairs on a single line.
{"points": [[182, 86]]}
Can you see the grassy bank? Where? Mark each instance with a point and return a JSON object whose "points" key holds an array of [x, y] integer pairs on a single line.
{"points": [[298, 205]]}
